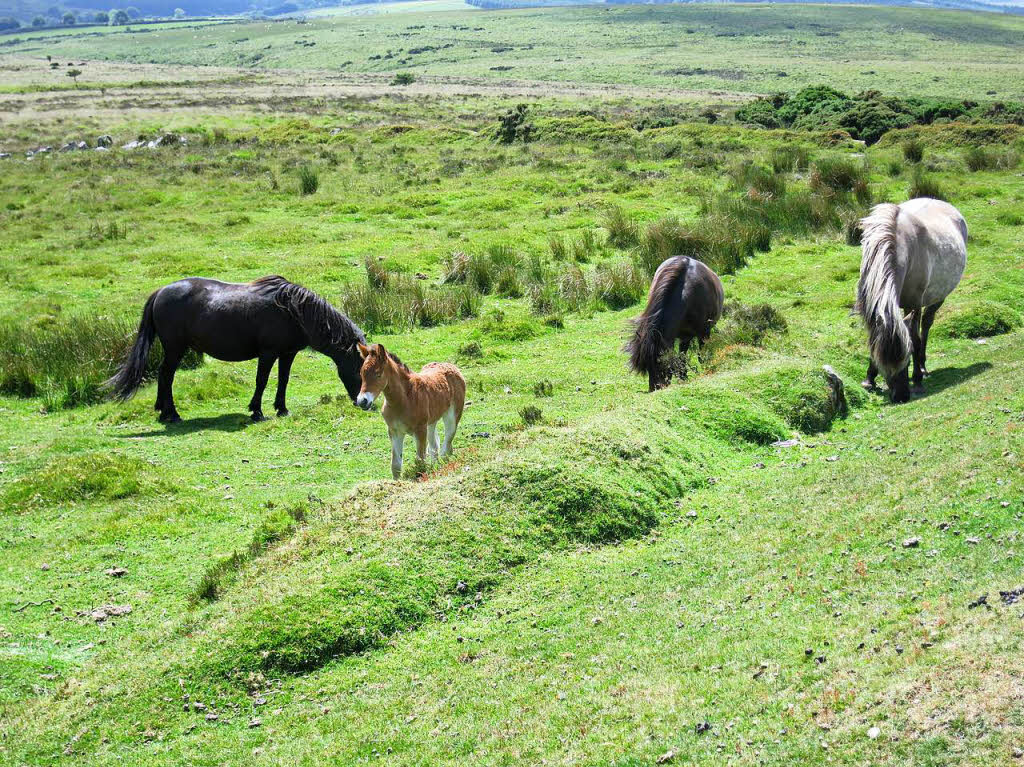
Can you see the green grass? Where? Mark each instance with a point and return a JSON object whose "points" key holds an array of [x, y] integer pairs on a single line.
{"points": [[597, 570]]}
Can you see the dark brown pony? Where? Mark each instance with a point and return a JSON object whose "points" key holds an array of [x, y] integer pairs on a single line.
{"points": [[270, 319], [684, 303]]}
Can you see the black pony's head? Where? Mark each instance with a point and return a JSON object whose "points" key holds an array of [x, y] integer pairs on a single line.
{"points": [[348, 363], [899, 386]]}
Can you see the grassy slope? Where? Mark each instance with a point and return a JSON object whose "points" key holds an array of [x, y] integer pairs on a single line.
{"points": [[732, 48], [535, 675]]}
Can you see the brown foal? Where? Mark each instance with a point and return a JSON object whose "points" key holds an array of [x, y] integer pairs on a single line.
{"points": [[413, 402]]}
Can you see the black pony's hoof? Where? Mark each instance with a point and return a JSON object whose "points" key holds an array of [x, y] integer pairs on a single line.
{"points": [[170, 418], [283, 412], [258, 416], [917, 390]]}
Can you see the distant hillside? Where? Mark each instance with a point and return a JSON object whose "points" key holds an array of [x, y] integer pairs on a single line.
{"points": [[1014, 6]]}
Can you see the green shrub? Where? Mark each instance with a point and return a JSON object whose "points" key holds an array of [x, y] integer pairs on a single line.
{"points": [[543, 388], [978, 319], [513, 126], [531, 415], [403, 78]]}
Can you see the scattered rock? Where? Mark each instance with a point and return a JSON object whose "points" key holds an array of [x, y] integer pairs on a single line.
{"points": [[665, 758], [116, 572], [973, 541], [44, 566], [254, 723], [104, 141], [703, 727], [836, 390], [786, 443], [1011, 597], [874, 732], [133, 145], [1018, 753], [100, 614], [4, 155], [911, 543]]}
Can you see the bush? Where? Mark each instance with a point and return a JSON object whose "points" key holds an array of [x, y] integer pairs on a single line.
{"points": [[979, 319], [913, 150], [309, 179], [514, 127], [543, 388], [403, 78], [923, 185], [894, 167], [531, 415]]}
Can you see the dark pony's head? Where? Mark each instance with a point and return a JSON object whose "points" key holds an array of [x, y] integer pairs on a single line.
{"points": [[330, 332]]}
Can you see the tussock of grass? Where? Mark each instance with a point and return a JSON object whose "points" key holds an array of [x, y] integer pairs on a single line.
{"points": [[618, 284], [980, 158], [86, 477], [978, 319], [923, 185], [394, 301], [623, 229], [799, 394]]}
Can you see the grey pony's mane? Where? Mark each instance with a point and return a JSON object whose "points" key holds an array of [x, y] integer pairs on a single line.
{"points": [[878, 295], [648, 341], [327, 328]]}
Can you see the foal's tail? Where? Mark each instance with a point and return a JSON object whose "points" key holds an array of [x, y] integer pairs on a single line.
{"points": [[126, 381], [878, 295], [648, 342]]}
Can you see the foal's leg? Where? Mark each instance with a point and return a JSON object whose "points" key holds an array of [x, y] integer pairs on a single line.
{"points": [[397, 444], [926, 324], [421, 449], [284, 367], [165, 384], [450, 425], [914, 326], [432, 446], [262, 375]]}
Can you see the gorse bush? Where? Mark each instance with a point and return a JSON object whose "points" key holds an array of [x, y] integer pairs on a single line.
{"points": [[65, 362]]}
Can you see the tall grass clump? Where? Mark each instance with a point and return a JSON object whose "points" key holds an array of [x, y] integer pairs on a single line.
{"points": [[978, 158], [837, 174], [923, 185], [623, 230], [913, 150], [394, 301], [65, 362], [309, 180], [723, 243], [573, 288], [787, 159], [756, 181], [618, 284]]}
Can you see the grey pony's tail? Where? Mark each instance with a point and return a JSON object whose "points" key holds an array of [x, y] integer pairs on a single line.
{"points": [[878, 295]]}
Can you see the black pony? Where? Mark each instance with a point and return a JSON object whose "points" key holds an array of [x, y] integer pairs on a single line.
{"points": [[270, 319], [685, 302]]}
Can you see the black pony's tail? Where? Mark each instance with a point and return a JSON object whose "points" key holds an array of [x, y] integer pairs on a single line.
{"points": [[126, 381], [647, 343]]}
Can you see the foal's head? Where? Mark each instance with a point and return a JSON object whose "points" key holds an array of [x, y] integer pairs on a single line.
{"points": [[374, 374]]}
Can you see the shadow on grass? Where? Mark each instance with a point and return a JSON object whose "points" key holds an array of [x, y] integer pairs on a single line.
{"points": [[940, 380], [226, 422]]}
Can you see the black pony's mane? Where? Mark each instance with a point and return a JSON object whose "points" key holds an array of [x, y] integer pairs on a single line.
{"points": [[647, 343], [327, 328]]}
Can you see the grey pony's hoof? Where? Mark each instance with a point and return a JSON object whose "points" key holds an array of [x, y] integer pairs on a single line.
{"points": [[869, 385]]}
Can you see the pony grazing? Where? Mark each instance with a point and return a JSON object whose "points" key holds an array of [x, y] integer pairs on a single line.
{"points": [[685, 302], [270, 319], [414, 402], [914, 255]]}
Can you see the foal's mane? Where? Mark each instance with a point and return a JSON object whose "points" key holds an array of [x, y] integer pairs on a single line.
{"points": [[394, 358], [877, 291], [327, 328]]}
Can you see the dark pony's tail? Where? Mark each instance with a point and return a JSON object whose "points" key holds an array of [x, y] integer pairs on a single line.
{"points": [[648, 341], [126, 381]]}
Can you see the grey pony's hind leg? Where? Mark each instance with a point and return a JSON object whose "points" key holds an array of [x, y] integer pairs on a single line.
{"points": [[914, 326], [926, 324]]}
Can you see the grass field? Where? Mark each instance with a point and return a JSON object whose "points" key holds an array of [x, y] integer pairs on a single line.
{"points": [[744, 49], [600, 576]]}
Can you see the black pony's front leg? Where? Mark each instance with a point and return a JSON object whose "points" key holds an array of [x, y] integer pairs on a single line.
{"points": [[284, 367], [262, 376]]}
